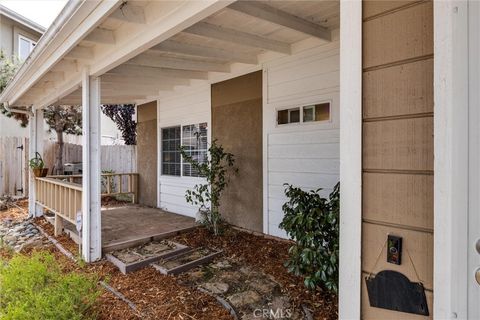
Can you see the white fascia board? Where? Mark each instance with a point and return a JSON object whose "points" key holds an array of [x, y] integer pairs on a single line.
{"points": [[71, 31], [135, 39], [163, 22]]}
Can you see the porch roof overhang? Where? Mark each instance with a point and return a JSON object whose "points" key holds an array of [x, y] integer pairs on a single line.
{"points": [[142, 50]]}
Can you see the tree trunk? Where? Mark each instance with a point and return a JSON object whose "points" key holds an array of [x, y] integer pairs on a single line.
{"points": [[59, 155]]}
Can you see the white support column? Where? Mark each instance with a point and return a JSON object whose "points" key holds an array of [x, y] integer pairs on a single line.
{"points": [[35, 145], [451, 147], [350, 159], [91, 202]]}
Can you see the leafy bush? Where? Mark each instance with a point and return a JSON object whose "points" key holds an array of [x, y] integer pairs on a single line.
{"points": [[36, 288], [313, 222], [215, 169]]}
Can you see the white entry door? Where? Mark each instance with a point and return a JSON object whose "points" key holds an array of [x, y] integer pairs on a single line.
{"points": [[474, 161]]}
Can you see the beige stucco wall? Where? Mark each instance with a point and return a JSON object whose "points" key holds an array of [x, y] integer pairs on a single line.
{"points": [[147, 153], [237, 124], [398, 143]]}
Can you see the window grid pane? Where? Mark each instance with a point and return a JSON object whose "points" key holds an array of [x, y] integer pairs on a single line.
{"points": [[171, 157], [194, 142]]}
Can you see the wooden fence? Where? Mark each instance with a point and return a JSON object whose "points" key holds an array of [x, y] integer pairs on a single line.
{"points": [[14, 161]]}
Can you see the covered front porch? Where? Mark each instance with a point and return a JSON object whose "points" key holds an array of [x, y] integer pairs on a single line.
{"points": [[150, 51], [123, 224]]}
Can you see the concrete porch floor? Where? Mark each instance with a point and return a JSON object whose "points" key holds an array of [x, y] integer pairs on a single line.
{"points": [[133, 222]]}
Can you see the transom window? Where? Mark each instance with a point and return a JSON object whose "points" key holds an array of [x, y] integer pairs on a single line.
{"points": [[309, 113], [194, 140], [25, 46]]}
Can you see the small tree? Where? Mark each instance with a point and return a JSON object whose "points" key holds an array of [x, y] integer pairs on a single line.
{"points": [[63, 119], [122, 115], [216, 170]]}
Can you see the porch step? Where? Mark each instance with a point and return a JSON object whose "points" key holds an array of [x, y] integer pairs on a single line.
{"points": [[186, 260], [135, 258]]}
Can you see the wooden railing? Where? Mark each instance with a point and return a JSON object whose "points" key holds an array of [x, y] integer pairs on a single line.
{"points": [[62, 194], [62, 198], [112, 183]]}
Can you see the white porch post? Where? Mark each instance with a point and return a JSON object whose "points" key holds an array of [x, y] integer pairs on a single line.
{"points": [[35, 145], [91, 202], [350, 159], [451, 166]]}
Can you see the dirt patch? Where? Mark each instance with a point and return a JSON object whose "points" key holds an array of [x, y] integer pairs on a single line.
{"points": [[266, 255]]}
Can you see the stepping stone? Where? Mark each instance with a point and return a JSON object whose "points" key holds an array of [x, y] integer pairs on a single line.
{"points": [[244, 298], [216, 287]]}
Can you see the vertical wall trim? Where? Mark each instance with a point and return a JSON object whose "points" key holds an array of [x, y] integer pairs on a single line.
{"points": [[91, 199], [451, 159], [350, 159], [159, 157], [265, 118], [36, 145]]}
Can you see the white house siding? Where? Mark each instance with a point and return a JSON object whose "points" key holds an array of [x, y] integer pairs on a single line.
{"points": [[183, 108], [305, 155]]}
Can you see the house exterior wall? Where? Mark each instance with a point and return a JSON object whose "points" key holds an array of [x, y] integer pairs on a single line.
{"points": [[9, 32], [306, 155], [398, 143], [237, 125], [183, 108], [147, 153]]}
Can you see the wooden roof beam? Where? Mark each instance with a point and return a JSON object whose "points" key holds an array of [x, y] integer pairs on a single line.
{"points": [[128, 12], [82, 53], [206, 52], [150, 60], [136, 70], [118, 78], [238, 37], [101, 36], [265, 12]]}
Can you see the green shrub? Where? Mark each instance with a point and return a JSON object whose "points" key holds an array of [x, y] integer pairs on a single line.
{"points": [[36, 288], [313, 222]]}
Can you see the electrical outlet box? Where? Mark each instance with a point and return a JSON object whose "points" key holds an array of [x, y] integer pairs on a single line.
{"points": [[394, 249]]}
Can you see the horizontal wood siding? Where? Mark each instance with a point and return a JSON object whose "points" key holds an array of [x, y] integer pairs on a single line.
{"points": [[398, 142], [305, 155], [181, 108]]}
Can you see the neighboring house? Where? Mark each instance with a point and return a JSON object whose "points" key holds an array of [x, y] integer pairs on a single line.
{"points": [[305, 93], [18, 37]]}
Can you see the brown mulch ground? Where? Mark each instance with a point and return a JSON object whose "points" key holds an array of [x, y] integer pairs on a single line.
{"points": [[268, 255], [155, 295], [15, 212]]}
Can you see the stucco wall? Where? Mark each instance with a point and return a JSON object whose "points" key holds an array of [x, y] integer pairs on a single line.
{"points": [[398, 143], [237, 125], [147, 153]]}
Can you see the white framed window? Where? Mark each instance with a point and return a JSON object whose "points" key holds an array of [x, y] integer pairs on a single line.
{"points": [[307, 113], [25, 46], [193, 138]]}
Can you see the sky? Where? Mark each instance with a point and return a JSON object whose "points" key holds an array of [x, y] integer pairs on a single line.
{"points": [[42, 12]]}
